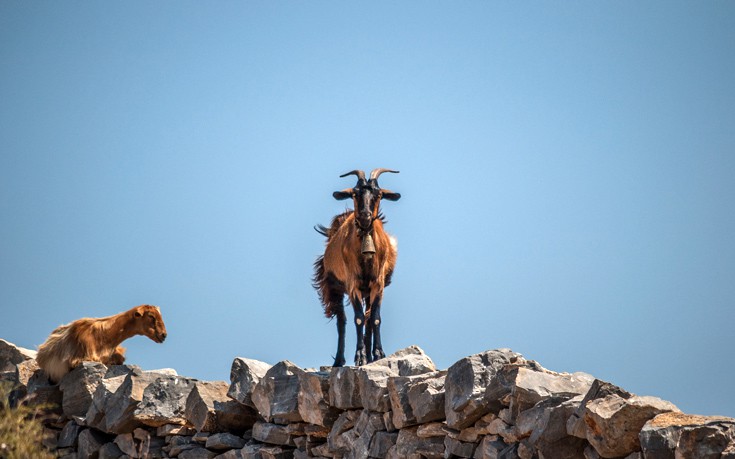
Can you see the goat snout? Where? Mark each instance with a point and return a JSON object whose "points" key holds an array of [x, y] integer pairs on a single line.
{"points": [[162, 337]]}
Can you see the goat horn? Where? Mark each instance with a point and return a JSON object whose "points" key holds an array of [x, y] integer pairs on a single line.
{"points": [[376, 173], [360, 174]]}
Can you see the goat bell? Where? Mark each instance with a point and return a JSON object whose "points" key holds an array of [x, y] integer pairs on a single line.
{"points": [[368, 246]]}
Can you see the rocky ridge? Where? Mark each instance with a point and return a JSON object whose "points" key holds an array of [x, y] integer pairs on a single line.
{"points": [[491, 405]]}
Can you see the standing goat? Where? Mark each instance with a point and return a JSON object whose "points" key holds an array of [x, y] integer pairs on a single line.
{"points": [[358, 261]]}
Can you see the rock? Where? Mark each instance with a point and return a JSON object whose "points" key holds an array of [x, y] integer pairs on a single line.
{"points": [[89, 443], [209, 409], [313, 399], [531, 386], [339, 437], [276, 394], [197, 453], [677, 435], [119, 408], [78, 387], [545, 427], [344, 391], [68, 435], [613, 423], [598, 389], [164, 401], [432, 429], [273, 434], [257, 451], [244, 376], [110, 451], [106, 387], [179, 443], [382, 442], [11, 355], [417, 399], [174, 429], [409, 361], [366, 426], [466, 383], [408, 443], [457, 448], [224, 441], [24, 371]]}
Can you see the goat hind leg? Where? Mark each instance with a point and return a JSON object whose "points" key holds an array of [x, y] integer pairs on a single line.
{"points": [[339, 359]]}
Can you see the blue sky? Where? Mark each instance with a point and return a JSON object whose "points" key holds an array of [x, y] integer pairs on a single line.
{"points": [[567, 173]]}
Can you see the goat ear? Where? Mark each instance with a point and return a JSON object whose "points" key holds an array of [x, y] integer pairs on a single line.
{"points": [[138, 314], [390, 196], [342, 195]]}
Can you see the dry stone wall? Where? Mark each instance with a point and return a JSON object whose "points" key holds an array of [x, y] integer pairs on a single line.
{"points": [[491, 405]]}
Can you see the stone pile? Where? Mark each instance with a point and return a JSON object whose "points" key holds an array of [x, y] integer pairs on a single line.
{"points": [[491, 405]]}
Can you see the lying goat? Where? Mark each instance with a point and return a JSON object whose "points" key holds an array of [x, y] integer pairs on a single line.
{"points": [[97, 340], [358, 261]]}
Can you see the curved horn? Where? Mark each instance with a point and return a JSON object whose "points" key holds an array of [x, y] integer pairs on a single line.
{"points": [[376, 173], [360, 174]]}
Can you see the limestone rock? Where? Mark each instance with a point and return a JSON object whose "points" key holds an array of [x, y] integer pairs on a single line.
{"points": [[613, 422], [382, 442], [244, 375], [90, 441], [273, 434], [598, 389], [457, 448], [11, 355], [531, 386], [372, 386], [344, 392], [106, 387], [545, 427], [119, 408], [677, 435], [417, 399], [409, 443], [313, 399], [209, 409], [276, 395], [164, 401], [466, 384], [339, 437]]}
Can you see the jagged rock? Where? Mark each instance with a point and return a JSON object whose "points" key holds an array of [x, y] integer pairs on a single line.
{"points": [[313, 399], [24, 371], [257, 451], [273, 434], [68, 435], [366, 425], [679, 435], [408, 443], [223, 441], [119, 408], [106, 387], [433, 429], [209, 409], [180, 443], [89, 443], [457, 448], [545, 427], [344, 391], [531, 386], [276, 394], [613, 423], [338, 438], [11, 355], [197, 453], [466, 383], [382, 442], [506, 431], [598, 389], [372, 379], [417, 399], [110, 451], [174, 429], [244, 376], [78, 387], [164, 401]]}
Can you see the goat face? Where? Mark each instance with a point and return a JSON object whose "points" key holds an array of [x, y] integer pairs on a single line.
{"points": [[366, 195], [148, 322]]}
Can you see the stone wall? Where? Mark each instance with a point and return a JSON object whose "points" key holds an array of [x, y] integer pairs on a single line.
{"points": [[495, 404]]}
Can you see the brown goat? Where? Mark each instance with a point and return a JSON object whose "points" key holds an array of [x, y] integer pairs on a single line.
{"points": [[358, 261], [97, 340]]}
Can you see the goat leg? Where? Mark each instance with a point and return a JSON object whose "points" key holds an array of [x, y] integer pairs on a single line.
{"points": [[360, 354], [368, 334], [377, 351], [339, 359]]}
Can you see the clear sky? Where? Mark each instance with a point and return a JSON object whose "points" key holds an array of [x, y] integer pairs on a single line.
{"points": [[567, 172]]}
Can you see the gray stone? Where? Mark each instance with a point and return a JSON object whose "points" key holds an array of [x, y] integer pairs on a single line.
{"points": [[276, 394], [339, 437], [613, 423], [344, 391], [410, 361], [545, 427], [11, 355], [466, 383], [409, 443], [258, 451], [382, 442], [417, 399], [179, 443], [68, 435], [209, 409], [164, 401], [174, 429], [372, 386], [532, 386], [677, 435], [457, 448], [273, 434], [89, 443], [197, 453], [106, 387], [119, 408], [41, 392], [110, 451], [313, 399], [78, 387], [366, 426], [433, 429], [224, 441], [244, 375], [598, 389]]}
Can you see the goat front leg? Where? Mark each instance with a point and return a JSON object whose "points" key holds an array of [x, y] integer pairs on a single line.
{"points": [[116, 358], [360, 354], [377, 351]]}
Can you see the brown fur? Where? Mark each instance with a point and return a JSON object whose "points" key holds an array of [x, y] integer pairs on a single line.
{"points": [[97, 339]]}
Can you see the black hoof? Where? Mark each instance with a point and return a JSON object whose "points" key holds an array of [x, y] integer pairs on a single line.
{"points": [[339, 362], [360, 358], [378, 354]]}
